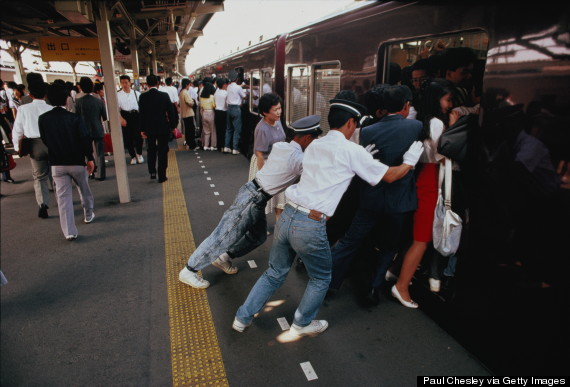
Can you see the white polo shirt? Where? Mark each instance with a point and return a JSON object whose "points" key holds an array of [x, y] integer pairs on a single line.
{"points": [[171, 91], [236, 94], [329, 165], [282, 168]]}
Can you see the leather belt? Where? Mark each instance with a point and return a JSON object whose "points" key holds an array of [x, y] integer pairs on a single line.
{"points": [[259, 189], [312, 214]]}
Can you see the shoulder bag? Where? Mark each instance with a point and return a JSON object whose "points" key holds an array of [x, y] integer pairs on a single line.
{"points": [[446, 224]]}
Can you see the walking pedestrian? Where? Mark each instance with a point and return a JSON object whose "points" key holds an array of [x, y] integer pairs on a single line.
{"points": [[130, 120], [69, 144]]}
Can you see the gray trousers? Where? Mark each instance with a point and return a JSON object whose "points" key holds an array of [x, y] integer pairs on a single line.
{"points": [[40, 170], [63, 175]]}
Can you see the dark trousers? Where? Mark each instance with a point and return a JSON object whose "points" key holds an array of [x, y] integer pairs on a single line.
{"points": [[190, 132], [100, 156], [220, 120], [365, 220], [132, 139], [158, 149]]}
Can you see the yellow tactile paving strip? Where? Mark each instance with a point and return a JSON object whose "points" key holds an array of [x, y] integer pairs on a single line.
{"points": [[196, 355]]}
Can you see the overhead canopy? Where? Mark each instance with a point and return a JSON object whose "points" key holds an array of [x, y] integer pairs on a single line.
{"points": [[169, 27]]}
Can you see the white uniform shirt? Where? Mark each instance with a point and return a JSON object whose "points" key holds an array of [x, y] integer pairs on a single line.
{"points": [[221, 98], [282, 168], [329, 165], [128, 101], [26, 123], [171, 91], [236, 94]]}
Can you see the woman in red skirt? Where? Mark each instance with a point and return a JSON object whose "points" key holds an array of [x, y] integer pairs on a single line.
{"points": [[435, 113]]}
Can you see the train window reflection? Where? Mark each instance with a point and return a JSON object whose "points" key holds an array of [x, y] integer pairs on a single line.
{"points": [[268, 77], [254, 91], [326, 86], [297, 93]]}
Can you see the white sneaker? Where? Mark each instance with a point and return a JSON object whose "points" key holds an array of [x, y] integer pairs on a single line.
{"points": [[192, 279], [140, 159], [71, 237], [213, 149], [133, 161], [89, 219], [239, 326], [434, 285], [313, 329], [226, 266], [235, 152], [227, 150]]}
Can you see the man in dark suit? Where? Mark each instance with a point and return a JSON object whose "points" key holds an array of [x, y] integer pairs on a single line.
{"points": [[157, 122], [94, 113], [389, 203]]}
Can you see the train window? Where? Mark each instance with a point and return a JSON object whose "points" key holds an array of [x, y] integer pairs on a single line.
{"points": [[326, 81], [254, 91], [268, 78], [399, 56], [297, 93]]}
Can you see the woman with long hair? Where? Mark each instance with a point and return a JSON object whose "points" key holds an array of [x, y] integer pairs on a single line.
{"points": [[207, 106], [436, 114]]}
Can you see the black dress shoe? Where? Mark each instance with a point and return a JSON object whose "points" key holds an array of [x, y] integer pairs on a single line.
{"points": [[162, 179], [153, 176], [372, 297], [42, 213]]}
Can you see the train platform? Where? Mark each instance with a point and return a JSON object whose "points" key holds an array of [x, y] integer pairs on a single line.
{"points": [[108, 310]]}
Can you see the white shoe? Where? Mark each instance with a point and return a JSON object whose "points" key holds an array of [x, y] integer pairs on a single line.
{"points": [[227, 150], [235, 152], [390, 276], [197, 148], [133, 161], [434, 285], [192, 279], [239, 326], [226, 266], [89, 219], [313, 329], [213, 149], [140, 159], [408, 304], [71, 237]]}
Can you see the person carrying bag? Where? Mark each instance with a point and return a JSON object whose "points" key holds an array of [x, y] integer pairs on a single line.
{"points": [[447, 224]]}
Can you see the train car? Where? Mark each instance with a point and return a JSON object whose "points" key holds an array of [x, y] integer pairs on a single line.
{"points": [[505, 294]]}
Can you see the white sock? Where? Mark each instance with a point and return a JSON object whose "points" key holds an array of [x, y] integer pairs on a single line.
{"points": [[224, 257]]}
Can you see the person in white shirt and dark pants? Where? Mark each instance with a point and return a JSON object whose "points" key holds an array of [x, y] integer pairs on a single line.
{"points": [[130, 120], [236, 94]]}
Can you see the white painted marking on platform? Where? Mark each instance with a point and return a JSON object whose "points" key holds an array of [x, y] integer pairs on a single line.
{"points": [[252, 264], [203, 166], [201, 161], [208, 178], [221, 203], [216, 194], [283, 323], [205, 172], [198, 157], [212, 185], [309, 371]]}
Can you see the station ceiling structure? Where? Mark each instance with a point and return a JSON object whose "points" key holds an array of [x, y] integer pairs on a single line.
{"points": [[166, 28]]}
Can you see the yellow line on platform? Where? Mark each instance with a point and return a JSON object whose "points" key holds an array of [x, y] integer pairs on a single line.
{"points": [[196, 355]]}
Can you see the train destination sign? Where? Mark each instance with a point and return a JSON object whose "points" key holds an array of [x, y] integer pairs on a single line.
{"points": [[56, 48]]}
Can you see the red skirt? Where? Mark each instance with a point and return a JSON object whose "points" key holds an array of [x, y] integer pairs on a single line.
{"points": [[426, 190]]}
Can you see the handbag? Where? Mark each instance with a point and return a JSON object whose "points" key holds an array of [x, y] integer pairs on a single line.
{"points": [[447, 224], [25, 146], [177, 133], [107, 143]]}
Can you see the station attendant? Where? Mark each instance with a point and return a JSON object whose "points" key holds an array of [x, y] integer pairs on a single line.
{"points": [[243, 226], [329, 165]]}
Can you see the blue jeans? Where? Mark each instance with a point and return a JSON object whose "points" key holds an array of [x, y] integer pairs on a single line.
{"points": [[243, 227], [233, 128], [295, 234]]}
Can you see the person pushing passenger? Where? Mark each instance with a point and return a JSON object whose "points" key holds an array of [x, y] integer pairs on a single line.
{"points": [[329, 165], [243, 226]]}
